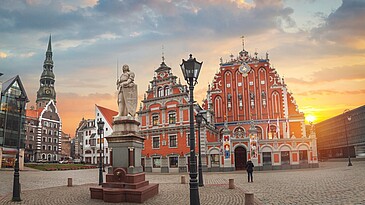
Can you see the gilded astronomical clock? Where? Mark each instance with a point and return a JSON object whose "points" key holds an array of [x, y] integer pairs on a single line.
{"points": [[244, 69]]}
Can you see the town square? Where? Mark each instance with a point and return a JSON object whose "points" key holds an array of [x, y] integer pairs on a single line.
{"points": [[182, 102], [334, 183]]}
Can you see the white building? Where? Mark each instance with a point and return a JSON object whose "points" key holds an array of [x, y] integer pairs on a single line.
{"points": [[91, 139]]}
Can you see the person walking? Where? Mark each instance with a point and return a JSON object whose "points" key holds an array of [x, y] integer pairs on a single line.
{"points": [[249, 168]]}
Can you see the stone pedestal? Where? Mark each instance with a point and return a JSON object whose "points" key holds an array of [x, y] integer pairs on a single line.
{"points": [[126, 144], [125, 181]]}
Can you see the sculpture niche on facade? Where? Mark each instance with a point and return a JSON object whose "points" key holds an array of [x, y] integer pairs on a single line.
{"points": [[125, 181]]}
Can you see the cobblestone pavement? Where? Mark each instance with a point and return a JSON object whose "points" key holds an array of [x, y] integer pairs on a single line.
{"points": [[332, 183]]}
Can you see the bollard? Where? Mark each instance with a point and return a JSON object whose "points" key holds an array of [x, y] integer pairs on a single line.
{"points": [[231, 184], [183, 180], [69, 182], [249, 199]]}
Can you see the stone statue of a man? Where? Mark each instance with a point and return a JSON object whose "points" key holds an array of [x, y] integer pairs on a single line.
{"points": [[127, 96]]}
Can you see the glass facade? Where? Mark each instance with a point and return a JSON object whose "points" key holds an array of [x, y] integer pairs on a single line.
{"points": [[9, 117]]}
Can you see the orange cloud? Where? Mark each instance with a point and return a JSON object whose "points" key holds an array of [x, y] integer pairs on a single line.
{"points": [[73, 107], [3, 55]]}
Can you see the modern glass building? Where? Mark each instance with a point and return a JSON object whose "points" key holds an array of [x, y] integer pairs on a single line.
{"points": [[12, 119]]}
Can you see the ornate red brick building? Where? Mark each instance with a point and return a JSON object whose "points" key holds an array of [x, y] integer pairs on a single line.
{"points": [[257, 118], [249, 115], [164, 117]]}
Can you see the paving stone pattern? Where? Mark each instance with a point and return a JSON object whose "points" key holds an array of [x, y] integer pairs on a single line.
{"points": [[332, 183]]}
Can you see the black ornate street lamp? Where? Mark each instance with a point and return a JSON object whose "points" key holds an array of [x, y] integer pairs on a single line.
{"points": [[100, 132], [16, 185], [347, 140], [191, 69], [199, 119]]}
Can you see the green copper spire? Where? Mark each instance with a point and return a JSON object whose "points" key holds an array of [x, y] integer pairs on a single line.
{"points": [[46, 90]]}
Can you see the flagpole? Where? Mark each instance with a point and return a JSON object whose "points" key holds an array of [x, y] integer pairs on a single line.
{"points": [[117, 72]]}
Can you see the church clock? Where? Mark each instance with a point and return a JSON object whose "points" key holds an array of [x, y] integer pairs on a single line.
{"points": [[244, 69]]}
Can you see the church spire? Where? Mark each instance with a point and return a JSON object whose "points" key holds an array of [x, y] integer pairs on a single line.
{"points": [[49, 44], [46, 91]]}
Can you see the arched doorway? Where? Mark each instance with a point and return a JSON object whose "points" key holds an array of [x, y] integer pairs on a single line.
{"points": [[240, 158]]}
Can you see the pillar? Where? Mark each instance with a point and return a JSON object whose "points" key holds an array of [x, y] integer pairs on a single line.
{"points": [[1, 156], [21, 159]]}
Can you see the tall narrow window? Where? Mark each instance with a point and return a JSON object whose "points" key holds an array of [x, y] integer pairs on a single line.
{"points": [[167, 90], [263, 97], [155, 120], [159, 92], [229, 101], [172, 141], [156, 142], [172, 118], [240, 103], [252, 99]]}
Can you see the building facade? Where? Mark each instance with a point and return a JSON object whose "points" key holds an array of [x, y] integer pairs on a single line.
{"points": [[87, 134], [65, 146], [89, 141], [164, 118], [257, 118], [11, 122], [43, 123], [334, 135]]}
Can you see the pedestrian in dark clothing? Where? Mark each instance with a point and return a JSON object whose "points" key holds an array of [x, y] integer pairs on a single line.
{"points": [[249, 168]]}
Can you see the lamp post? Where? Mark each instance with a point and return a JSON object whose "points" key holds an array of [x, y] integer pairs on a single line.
{"points": [[191, 69], [347, 140], [16, 185], [199, 119], [100, 132]]}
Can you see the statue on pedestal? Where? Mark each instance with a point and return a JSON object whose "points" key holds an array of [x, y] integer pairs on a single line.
{"points": [[127, 95], [125, 181]]}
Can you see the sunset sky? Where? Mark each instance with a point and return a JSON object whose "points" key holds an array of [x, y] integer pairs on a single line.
{"points": [[318, 46]]}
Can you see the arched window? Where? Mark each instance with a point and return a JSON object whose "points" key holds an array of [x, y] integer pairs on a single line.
{"points": [[276, 102], [167, 90], [159, 92], [218, 106]]}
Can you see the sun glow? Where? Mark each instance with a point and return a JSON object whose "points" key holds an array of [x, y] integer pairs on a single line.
{"points": [[310, 118]]}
